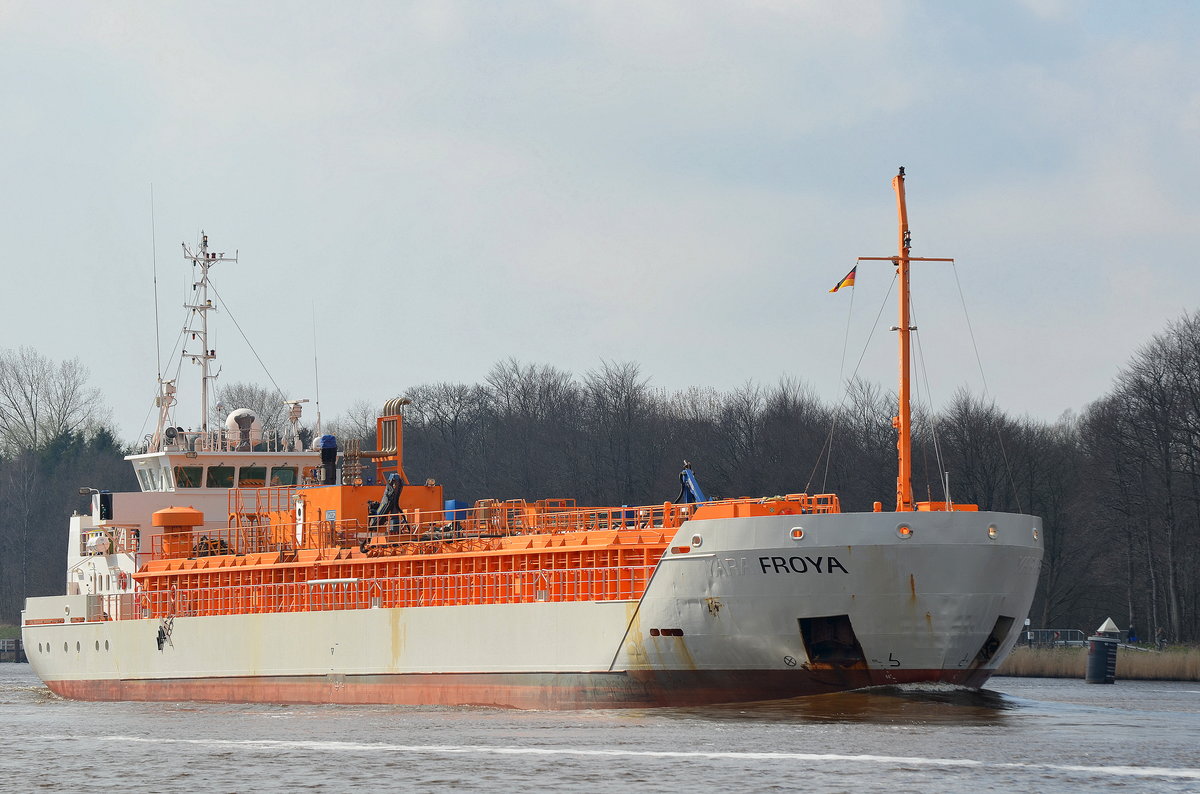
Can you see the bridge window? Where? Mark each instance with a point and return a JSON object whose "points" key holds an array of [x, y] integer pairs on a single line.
{"points": [[220, 477], [188, 476], [283, 475], [252, 477]]}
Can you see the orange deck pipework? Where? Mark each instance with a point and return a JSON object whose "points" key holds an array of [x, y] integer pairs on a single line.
{"points": [[177, 524]]}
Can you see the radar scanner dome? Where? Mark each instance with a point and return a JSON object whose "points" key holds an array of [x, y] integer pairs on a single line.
{"points": [[243, 426]]}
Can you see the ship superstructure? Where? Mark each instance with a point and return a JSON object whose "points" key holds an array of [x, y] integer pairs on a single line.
{"points": [[285, 585], [195, 466]]}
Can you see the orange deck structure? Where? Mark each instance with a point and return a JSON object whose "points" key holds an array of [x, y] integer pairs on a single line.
{"points": [[496, 552], [297, 549]]}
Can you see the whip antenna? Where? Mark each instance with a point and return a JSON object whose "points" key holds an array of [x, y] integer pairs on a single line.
{"points": [[316, 372], [154, 272]]}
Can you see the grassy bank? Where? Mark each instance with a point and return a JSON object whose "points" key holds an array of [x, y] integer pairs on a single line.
{"points": [[1179, 663], [9, 632]]}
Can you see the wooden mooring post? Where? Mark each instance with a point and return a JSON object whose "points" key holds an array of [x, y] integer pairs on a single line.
{"points": [[12, 650]]}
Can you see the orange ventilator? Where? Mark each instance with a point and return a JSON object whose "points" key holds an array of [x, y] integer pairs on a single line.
{"points": [[177, 524]]}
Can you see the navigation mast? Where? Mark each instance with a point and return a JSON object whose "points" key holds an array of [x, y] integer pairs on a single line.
{"points": [[903, 419], [904, 499], [202, 306]]}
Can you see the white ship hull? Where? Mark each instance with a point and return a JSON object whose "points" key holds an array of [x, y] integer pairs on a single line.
{"points": [[748, 613]]}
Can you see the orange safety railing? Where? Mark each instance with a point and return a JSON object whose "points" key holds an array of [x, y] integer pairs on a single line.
{"points": [[249, 505], [616, 583], [817, 503], [250, 533], [219, 542]]}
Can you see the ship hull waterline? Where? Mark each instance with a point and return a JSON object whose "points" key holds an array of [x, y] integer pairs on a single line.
{"points": [[558, 691]]}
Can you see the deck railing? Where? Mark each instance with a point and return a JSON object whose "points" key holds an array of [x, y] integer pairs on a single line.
{"points": [[1051, 637], [615, 583], [250, 509], [222, 440]]}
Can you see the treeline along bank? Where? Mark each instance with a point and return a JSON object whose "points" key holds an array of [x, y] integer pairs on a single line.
{"points": [[1118, 485]]}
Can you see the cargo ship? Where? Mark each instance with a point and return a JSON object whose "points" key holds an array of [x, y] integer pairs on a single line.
{"points": [[252, 568]]}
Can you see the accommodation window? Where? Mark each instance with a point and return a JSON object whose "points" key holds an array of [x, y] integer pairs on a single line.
{"points": [[220, 477], [252, 477], [283, 475], [188, 476]]}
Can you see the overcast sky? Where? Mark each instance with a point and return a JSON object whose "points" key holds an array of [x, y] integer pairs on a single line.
{"points": [[673, 183]]}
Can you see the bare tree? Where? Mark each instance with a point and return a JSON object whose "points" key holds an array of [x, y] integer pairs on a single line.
{"points": [[268, 405], [447, 422], [862, 448], [41, 399], [535, 419], [619, 417], [356, 422]]}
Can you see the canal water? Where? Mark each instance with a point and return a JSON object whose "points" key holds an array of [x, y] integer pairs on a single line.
{"points": [[1022, 734]]}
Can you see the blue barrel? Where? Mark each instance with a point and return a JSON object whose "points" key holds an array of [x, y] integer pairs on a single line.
{"points": [[1101, 660], [456, 510]]}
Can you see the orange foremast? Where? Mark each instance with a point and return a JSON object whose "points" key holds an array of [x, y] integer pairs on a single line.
{"points": [[903, 419]]}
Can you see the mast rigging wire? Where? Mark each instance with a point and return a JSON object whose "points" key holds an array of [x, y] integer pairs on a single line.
{"points": [[841, 376], [316, 372], [827, 448], [1012, 481], [970, 329], [158, 391], [237, 325], [154, 271], [923, 368]]}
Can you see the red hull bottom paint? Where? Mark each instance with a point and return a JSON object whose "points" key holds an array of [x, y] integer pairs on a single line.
{"points": [[515, 690]]}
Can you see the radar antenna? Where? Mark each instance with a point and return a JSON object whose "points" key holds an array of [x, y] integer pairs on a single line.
{"points": [[293, 432], [201, 306]]}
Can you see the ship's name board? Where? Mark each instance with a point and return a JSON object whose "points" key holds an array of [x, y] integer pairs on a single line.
{"points": [[800, 565]]}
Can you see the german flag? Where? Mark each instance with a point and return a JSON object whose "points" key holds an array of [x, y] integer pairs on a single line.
{"points": [[848, 281]]}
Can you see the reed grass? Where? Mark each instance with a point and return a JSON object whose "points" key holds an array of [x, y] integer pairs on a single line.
{"points": [[1176, 663]]}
